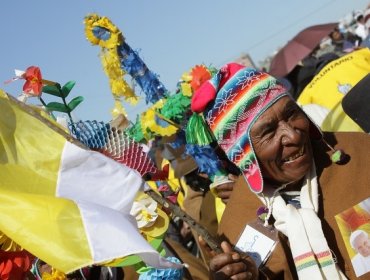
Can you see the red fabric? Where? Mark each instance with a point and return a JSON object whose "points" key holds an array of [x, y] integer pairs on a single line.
{"points": [[207, 91], [205, 94], [14, 265]]}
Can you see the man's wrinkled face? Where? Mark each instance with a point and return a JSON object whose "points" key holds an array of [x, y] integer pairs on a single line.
{"points": [[362, 245], [280, 138]]}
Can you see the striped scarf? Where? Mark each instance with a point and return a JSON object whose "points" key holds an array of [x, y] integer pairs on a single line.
{"points": [[312, 256]]}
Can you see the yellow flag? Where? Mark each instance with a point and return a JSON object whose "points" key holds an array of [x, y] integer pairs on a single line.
{"points": [[64, 204]]}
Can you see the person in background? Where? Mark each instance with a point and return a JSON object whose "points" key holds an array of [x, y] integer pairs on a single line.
{"points": [[361, 30]]}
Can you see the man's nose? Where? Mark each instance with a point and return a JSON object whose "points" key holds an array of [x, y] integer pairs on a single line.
{"points": [[289, 134]]}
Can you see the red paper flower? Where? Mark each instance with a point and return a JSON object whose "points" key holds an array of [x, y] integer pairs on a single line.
{"points": [[33, 84], [200, 74], [14, 265]]}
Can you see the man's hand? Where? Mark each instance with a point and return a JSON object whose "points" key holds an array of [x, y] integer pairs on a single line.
{"points": [[224, 190], [229, 264]]}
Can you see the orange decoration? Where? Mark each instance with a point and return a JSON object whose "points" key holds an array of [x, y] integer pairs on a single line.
{"points": [[200, 74]]}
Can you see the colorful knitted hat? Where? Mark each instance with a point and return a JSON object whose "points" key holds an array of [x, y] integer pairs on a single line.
{"points": [[231, 102]]}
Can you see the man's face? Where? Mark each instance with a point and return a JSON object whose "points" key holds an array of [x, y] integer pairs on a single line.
{"points": [[362, 245], [280, 138]]}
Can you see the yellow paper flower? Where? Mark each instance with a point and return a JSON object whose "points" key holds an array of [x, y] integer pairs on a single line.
{"points": [[186, 89], [92, 22], [151, 220], [144, 211], [7, 244], [153, 121]]}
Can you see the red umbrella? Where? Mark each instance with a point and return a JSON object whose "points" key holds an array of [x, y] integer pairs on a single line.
{"points": [[298, 48]]}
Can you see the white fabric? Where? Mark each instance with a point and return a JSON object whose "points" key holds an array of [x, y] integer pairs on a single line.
{"points": [[316, 112], [361, 264], [303, 227], [90, 176], [104, 191], [112, 234]]}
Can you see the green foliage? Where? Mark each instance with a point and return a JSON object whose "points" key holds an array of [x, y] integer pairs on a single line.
{"points": [[75, 102], [52, 89], [56, 106], [66, 89], [136, 131], [176, 107], [62, 92]]}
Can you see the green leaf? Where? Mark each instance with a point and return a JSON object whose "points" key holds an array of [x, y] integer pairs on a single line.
{"points": [[55, 106], [66, 89], [52, 89], [74, 102]]}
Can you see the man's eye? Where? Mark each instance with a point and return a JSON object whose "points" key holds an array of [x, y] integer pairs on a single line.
{"points": [[292, 113], [268, 132]]}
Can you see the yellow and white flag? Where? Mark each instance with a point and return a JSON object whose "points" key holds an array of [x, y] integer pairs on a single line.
{"points": [[64, 204]]}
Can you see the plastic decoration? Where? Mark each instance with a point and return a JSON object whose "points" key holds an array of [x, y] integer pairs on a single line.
{"points": [[33, 84], [153, 122], [153, 224], [62, 92], [144, 211], [154, 90], [199, 74], [34, 81], [115, 144], [151, 220], [198, 132], [136, 132], [176, 107], [157, 274], [101, 31], [118, 59], [206, 159]]}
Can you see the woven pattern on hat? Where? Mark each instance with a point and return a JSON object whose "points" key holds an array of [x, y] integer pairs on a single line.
{"points": [[238, 104]]}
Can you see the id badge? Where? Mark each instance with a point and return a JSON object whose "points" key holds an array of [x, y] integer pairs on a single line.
{"points": [[257, 241]]}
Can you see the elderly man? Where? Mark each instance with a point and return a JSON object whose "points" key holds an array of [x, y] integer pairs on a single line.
{"points": [[281, 211], [360, 242]]}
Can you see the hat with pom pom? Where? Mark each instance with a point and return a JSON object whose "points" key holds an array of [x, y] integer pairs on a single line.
{"points": [[231, 102]]}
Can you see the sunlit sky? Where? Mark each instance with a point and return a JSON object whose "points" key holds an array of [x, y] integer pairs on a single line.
{"points": [[170, 36]]}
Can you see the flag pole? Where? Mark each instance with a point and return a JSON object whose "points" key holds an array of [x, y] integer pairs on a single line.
{"points": [[178, 212], [34, 113]]}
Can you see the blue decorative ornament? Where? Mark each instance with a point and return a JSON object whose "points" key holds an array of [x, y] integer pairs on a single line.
{"points": [[163, 274], [147, 80], [206, 159], [92, 134]]}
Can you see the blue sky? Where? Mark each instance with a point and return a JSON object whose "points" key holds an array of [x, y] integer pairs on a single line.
{"points": [[171, 37]]}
